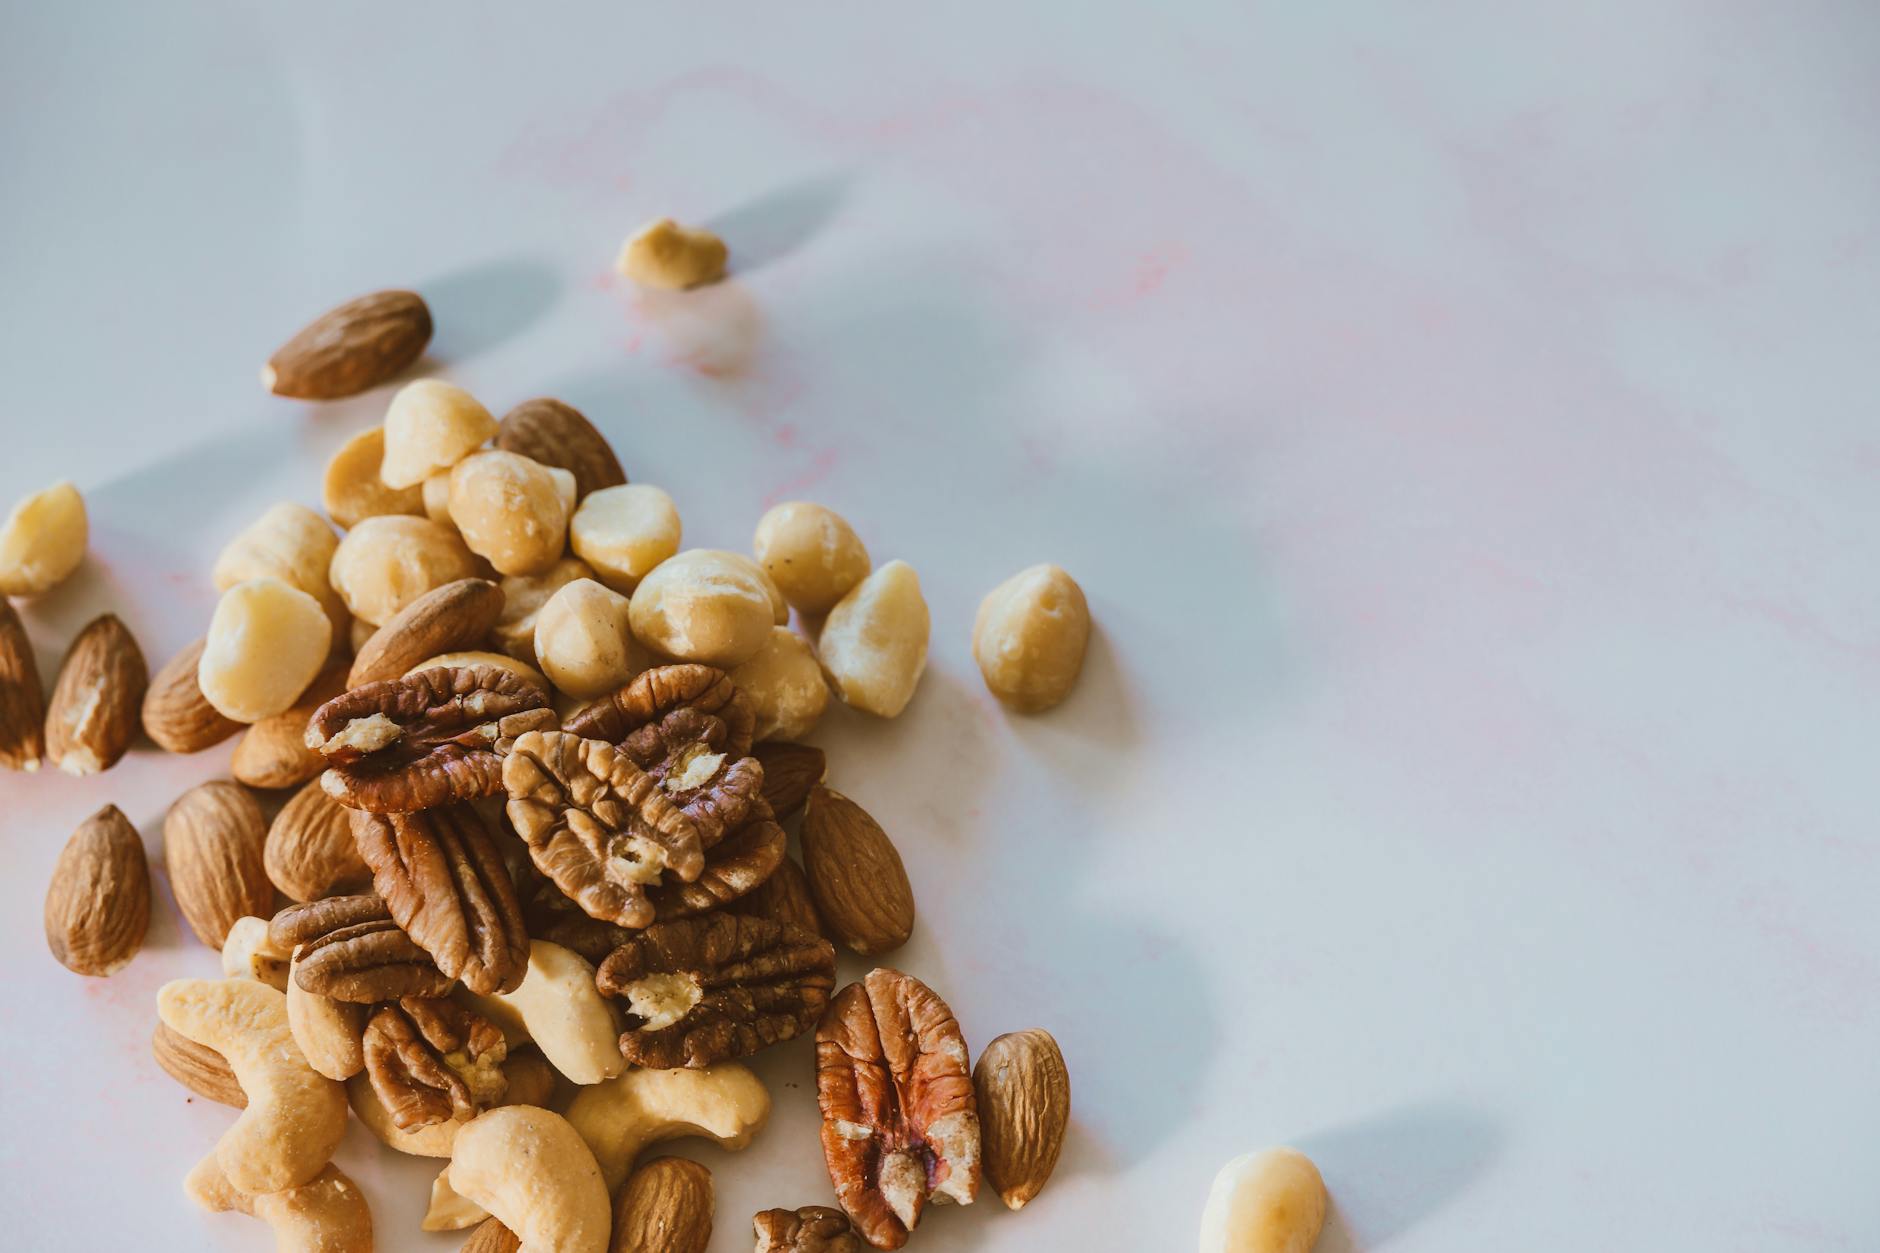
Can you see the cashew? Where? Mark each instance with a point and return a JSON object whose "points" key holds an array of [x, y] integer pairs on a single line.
{"points": [[569, 1020], [329, 1033], [1271, 1202], [449, 1211], [528, 1167], [295, 1115], [247, 954], [529, 1081], [328, 1215], [619, 1118]]}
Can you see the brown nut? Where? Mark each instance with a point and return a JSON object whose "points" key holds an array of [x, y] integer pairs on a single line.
{"points": [[273, 752], [431, 1060], [352, 490], [348, 948], [811, 1229], [431, 426], [492, 1237], [735, 867], [43, 541], [790, 771], [448, 619], [523, 598], [93, 712], [874, 643], [22, 699], [855, 874], [812, 553], [176, 715], [98, 903], [309, 852], [212, 846], [511, 510], [785, 685], [670, 257], [784, 897], [558, 435], [386, 562], [705, 606], [1029, 637], [345, 351], [664, 1207], [665, 711], [625, 531], [1024, 1093], [197, 1067]]}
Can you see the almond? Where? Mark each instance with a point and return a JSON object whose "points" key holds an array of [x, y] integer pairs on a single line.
{"points": [[176, 713], [361, 344], [98, 904], [273, 753], [22, 699], [309, 853], [491, 1237], [855, 874], [1024, 1106], [664, 1207], [197, 1067], [453, 618], [784, 897], [94, 708], [790, 771], [559, 435], [212, 842]]}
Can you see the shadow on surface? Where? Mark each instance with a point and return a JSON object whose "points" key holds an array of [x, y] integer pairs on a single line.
{"points": [[780, 221], [1389, 1171], [482, 305]]}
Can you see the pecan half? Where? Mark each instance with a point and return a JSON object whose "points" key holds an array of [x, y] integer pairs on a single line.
{"points": [[431, 1060], [900, 1121], [429, 738], [701, 990], [734, 867], [348, 948], [444, 882], [812, 1229]]}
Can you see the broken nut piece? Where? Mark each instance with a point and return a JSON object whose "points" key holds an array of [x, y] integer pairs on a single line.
{"points": [[670, 257]]}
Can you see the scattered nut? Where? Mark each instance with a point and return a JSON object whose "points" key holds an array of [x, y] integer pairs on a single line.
{"points": [[725, 1103], [212, 841], [267, 642], [705, 606], [93, 712], [291, 543], [510, 510], [812, 552], [329, 1033], [528, 1167], [352, 490], [565, 1015], [523, 598], [327, 1214], [625, 531], [664, 1207], [1029, 637], [790, 771], [583, 642], [176, 714], [785, 683], [22, 699], [310, 853], [345, 351], [1271, 1202], [671, 257], [874, 642], [98, 903], [855, 874], [385, 563], [431, 426], [42, 541], [558, 435], [273, 752], [201, 1070], [811, 1229], [248, 953], [446, 619], [1024, 1096]]}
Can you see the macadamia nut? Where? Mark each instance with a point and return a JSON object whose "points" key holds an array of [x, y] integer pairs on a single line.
{"points": [[267, 641], [671, 257], [43, 541], [431, 426], [385, 563], [705, 606], [623, 532], [510, 510], [1030, 635], [874, 642], [812, 553], [583, 641], [352, 489], [523, 598], [1271, 1202], [289, 542], [436, 493], [785, 684]]}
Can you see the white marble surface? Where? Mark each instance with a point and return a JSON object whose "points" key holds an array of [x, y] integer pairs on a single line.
{"points": [[1463, 423]]}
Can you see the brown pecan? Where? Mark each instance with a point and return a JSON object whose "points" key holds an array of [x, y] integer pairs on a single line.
{"points": [[350, 949], [444, 882], [784, 896], [812, 1229], [900, 1121], [735, 867], [429, 738], [431, 1060], [701, 990]]}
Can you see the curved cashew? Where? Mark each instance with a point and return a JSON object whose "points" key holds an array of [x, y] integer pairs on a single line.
{"points": [[567, 1017], [328, 1215], [450, 1212], [619, 1118], [529, 1082], [330, 1033], [528, 1167], [247, 954], [295, 1115]]}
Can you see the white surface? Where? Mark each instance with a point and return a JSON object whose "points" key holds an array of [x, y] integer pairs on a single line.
{"points": [[1463, 426]]}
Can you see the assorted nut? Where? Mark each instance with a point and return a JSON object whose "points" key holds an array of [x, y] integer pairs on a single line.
{"points": [[529, 1167], [670, 257], [43, 541], [273, 752], [811, 1229], [785, 684], [384, 563], [98, 904], [266, 643], [352, 490], [706, 606], [1024, 1095], [855, 874], [874, 642], [291, 543], [212, 847], [310, 853], [176, 715], [22, 699], [664, 1207], [511, 511], [558, 435], [447, 619], [624, 532], [523, 598], [430, 426], [1271, 1202], [813, 554], [94, 708], [583, 642], [1030, 636], [345, 351]]}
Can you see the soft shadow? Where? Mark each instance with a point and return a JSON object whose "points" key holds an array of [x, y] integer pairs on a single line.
{"points": [[482, 305], [715, 332], [780, 221], [1391, 1170]]}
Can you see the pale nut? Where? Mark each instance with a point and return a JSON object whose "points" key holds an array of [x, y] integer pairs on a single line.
{"points": [[387, 562], [1029, 637], [42, 541], [1024, 1095], [725, 1103], [212, 848], [705, 606], [98, 903], [874, 643], [527, 1080], [562, 1012], [812, 552], [247, 953], [352, 491], [267, 641], [499, 661], [450, 1212], [528, 1167], [785, 684], [523, 598], [779, 607], [431, 426], [327, 1214], [669, 257], [583, 640], [273, 752], [1271, 1202], [291, 543], [92, 715], [623, 532], [664, 1207], [511, 511], [436, 493], [329, 1033]]}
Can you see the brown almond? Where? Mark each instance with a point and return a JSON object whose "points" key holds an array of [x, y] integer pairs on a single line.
{"points": [[93, 713], [1024, 1107], [453, 618], [790, 771], [559, 435], [273, 753], [98, 903], [492, 1237], [310, 854], [664, 1207], [197, 1067], [855, 874], [22, 699], [784, 897], [176, 714], [344, 351], [212, 846]]}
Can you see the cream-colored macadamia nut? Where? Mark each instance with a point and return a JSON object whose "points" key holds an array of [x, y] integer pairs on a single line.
{"points": [[623, 532], [267, 641], [1030, 636], [812, 553], [670, 257], [435, 491], [352, 489], [289, 542], [705, 606], [785, 684], [583, 641], [42, 541], [1271, 1202], [431, 426], [523, 598], [385, 563], [779, 607], [510, 510], [874, 642]]}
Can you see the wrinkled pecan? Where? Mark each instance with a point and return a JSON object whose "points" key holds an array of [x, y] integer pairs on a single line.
{"points": [[305, 923], [900, 1121], [431, 1060], [701, 990], [785, 897], [812, 1229], [350, 949], [433, 737], [443, 879], [735, 867]]}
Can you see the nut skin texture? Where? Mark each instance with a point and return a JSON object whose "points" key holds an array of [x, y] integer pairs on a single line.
{"points": [[784, 897], [1029, 638], [309, 853], [811, 1229], [1271, 1202], [666, 256], [558, 435], [273, 752], [266, 643], [624, 532], [1024, 1093], [22, 699], [509, 511], [813, 554], [201, 1070], [43, 541], [352, 491], [664, 1207], [362, 343], [431, 425], [735, 867], [790, 771], [528, 1167], [406, 1051], [874, 643], [785, 684], [523, 598], [665, 710], [325, 1215], [98, 904], [292, 543], [452, 618], [704, 606], [176, 715], [94, 709], [855, 875], [384, 563], [492, 1237], [212, 847], [583, 640], [498, 661], [349, 949]]}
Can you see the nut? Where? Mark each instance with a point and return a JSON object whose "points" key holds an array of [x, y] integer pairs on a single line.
{"points": [[431, 426], [620, 1118], [779, 607], [385, 563], [435, 491], [176, 714], [249, 953], [93, 712], [1271, 1202], [212, 840], [811, 1229], [352, 490], [349, 949], [267, 642], [784, 897], [564, 1014], [201, 1070], [491, 1237], [812, 553], [665, 1207], [446, 619], [500, 661], [855, 874], [666, 711], [330, 1034], [625, 531], [523, 598], [309, 853], [528, 1167], [22, 699], [671, 257], [785, 684], [511, 510], [273, 753], [431, 1060], [98, 904], [900, 1124], [1029, 637], [874, 642], [582, 640], [291, 543], [558, 435], [703, 605], [42, 541], [790, 771], [735, 867], [527, 1079], [345, 351], [1024, 1096], [328, 1214]]}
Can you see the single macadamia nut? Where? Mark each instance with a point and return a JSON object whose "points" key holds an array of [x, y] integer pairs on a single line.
{"points": [[1271, 1202], [267, 641], [43, 541], [1030, 635], [671, 257], [779, 607], [431, 426], [812, 553], [705, 606], [583, 642], [510, 511], [289, 542], [623, 532], [523, 598], [785, 684], [436, 493], [874, 642], [385, 563], [352, 489]]}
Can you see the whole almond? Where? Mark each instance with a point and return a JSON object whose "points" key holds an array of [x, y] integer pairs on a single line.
{"points": [[559, 435], [855, 874], [93, 713], [664, 1207], [197, 1067], [212, 842], [453, 618], [98, 904], [22, 699], [273, 753], [344, 351], [790, 771], [1024, 1107], [492, 1237], [310, 854], [784, 897], [176, 714]]}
